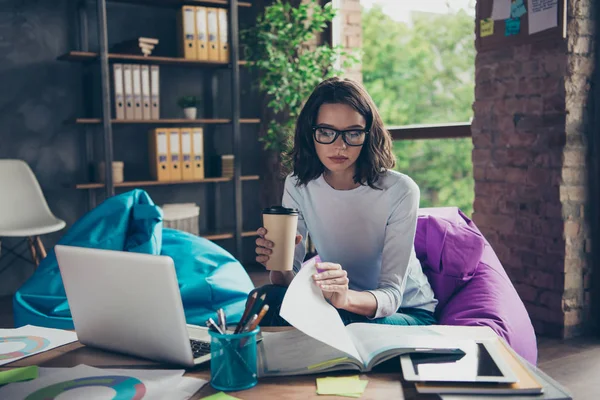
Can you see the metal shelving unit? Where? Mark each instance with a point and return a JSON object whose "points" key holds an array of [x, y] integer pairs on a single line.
{"points": [[106, 122]]}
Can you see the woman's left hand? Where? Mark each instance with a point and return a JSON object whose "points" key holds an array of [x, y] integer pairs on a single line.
{"points": [[333, 281]]}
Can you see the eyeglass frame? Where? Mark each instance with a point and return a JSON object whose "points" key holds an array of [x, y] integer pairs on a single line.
{"points": [[342, 133]]}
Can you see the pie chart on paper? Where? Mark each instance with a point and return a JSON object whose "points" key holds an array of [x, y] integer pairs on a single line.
{"points": [[32, 344], [126, 387]]}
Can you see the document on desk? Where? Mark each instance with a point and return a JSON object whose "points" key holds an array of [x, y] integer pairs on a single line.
{"points": [[92, 383], [28, 340], [305, 308]]}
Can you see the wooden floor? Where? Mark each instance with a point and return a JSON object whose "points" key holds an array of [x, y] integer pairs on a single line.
{"points": [[575, 363]]}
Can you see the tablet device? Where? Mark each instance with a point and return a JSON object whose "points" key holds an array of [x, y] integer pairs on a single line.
{"points": [[482, 362]]}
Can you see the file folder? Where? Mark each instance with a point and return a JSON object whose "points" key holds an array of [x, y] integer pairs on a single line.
{"points": [[175, 154], [146, 110], [186, 21], [158, 154], [201, 34], [136, 74], [118, 95], [198, 152], [128, 86], [154, 92], [187, 172], [223, 40], [213, 34]]}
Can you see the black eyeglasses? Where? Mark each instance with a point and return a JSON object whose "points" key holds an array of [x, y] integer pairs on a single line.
{"points": [[352, 137]]}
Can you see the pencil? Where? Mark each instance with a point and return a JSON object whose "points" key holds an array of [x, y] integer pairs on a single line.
{"points": [[260, 317], [249, 305]]}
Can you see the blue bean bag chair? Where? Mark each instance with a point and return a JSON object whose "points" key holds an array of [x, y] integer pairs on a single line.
{"points": [[209, 277]]}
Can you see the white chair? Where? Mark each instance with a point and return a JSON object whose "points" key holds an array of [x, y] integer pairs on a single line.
{"points": [[24, 212]]}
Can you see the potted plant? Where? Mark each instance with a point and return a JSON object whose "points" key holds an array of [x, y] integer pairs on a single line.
{"points": [[287, 68], [188, 104]]}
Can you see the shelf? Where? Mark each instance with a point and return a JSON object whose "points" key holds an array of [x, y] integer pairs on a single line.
{"points": [[229, 235], [172, 3], [86, 56], [163, 183], [96, 121]]}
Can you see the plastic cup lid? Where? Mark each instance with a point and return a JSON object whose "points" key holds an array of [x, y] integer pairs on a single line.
{"points": [[280, 210]]}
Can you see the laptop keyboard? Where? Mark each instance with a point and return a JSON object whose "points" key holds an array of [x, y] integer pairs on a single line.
{"points": [[199, 348]]}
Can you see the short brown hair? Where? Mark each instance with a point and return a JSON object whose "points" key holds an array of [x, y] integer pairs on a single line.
{"points": [[376, 154]]}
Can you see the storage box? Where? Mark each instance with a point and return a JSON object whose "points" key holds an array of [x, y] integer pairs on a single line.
{"points": [[182, 216], [118, 175]]}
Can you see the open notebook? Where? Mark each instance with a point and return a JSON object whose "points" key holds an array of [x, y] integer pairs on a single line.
{"points": [[295, 353], [321, 342]]}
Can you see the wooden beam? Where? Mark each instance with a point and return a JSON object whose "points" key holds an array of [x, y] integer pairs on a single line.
{"points": [[441, 131]]}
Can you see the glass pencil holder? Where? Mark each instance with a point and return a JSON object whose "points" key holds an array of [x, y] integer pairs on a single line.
{"points": [[233, 363]]}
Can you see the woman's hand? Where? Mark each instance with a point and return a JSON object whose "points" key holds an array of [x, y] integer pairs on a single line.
{"points": [[333, 281], [264, 246]]}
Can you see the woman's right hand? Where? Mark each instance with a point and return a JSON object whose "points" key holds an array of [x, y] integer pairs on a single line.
{"points": [[264, 246]]}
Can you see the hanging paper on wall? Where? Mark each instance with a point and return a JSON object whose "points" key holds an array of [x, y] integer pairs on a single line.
{"points": [[513, 27], [501, 9], [487, 27], [543, 14], [517, 9]]}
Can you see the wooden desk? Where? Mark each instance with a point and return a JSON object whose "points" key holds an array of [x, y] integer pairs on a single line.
{"points": [[384, 383]]}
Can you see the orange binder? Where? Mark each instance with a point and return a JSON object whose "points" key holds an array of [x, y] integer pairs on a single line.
{"points": [[175, 154], [187, 171], [213, 34], [198, 153], [201, 34], [186, 22], [223, 35], [159, 154]]}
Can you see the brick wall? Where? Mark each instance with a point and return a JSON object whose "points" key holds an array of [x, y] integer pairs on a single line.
{"points": [[351, 32], [529, 169]]}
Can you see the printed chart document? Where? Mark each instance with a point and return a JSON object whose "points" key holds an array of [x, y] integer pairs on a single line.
{"points": [[87, 382], [28, 340], [543, 14], [321, 341]]}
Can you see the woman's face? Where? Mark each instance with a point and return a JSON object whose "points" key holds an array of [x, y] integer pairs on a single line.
{"points": [[339, 156]]}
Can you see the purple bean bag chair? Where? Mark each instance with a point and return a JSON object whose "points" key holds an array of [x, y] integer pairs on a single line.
{"points": [[468, 279]]}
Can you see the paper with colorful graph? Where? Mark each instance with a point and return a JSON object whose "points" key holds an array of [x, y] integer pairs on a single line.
{"points": [[85, 382], [28, 340]]}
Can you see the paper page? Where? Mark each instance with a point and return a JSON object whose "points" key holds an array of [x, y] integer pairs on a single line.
{"points": [[305, 308], [25, 341], [374, 339], [293, 352], [543, 14], [85, 382], [501, 9]]}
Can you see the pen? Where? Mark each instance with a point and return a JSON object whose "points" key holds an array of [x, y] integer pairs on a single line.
{"points": [[222, 320], [211, 324], [249, 323], [253, 323], [249, 305]]}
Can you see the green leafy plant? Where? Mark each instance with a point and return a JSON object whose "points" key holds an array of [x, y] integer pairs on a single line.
{"points": [[278, 47], [187, 101]]}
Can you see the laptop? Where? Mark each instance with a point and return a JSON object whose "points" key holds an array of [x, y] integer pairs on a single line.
{"points": [[130, 303]]}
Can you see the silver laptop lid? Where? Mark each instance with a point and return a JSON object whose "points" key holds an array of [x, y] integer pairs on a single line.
{"points": [[126, 302]]}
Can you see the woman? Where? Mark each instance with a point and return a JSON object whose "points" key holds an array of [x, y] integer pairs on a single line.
{"points": [[360, 214]]}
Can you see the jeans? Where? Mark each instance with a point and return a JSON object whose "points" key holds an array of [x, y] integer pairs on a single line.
{"points": [[274, 297]]}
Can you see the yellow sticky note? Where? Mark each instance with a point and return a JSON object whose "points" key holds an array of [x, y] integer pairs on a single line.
{"points": [[220, 396], [349, 386], [487, 27], [18, 374]]}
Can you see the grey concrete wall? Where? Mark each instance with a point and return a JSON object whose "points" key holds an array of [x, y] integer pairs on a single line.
{"points": [[38, 93]]}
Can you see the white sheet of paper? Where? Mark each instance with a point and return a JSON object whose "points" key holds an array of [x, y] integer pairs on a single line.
{"points": [[501, 9], [154, 384], [305, 308], [543, 14], [28, 340]]}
